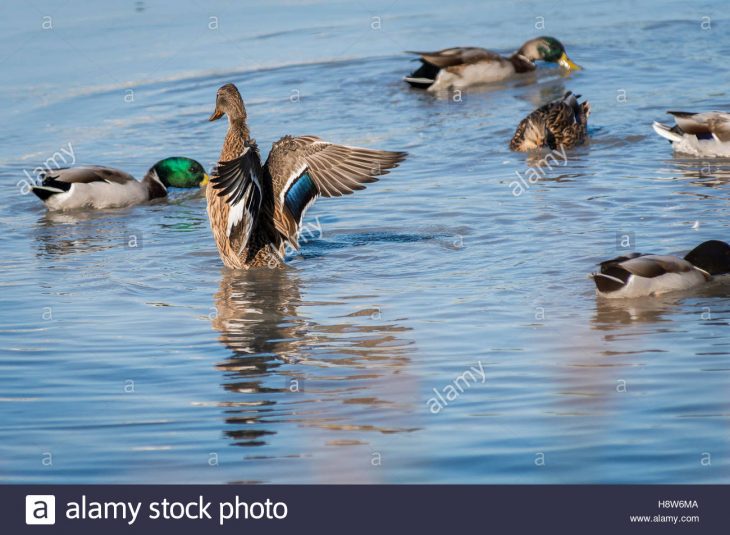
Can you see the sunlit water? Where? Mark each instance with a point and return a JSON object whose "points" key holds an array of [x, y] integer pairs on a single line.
{"points": [[155, 364]]}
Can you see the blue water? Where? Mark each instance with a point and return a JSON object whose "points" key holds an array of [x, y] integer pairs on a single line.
{"points": [[153, 363]]}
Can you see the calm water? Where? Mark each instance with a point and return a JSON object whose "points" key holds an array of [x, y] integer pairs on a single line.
{"points": [[154, 364]]}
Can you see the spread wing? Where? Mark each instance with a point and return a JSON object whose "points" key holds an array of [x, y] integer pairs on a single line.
{"points": [[304, 168], [239, 183], [86, 175], [450, 57], [713, 123]]}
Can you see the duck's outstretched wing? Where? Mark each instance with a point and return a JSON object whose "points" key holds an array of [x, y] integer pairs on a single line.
{"points": [[239, 183], [304, 168], [714, 124]]}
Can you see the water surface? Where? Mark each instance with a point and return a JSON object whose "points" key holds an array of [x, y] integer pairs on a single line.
{"points": [[153, 363]]}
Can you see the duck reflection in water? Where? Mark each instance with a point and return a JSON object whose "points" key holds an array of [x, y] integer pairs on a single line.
{"points": [[616, 314], [345, 382], [707, 172]]}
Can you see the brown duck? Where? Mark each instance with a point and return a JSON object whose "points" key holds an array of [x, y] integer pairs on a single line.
{"points": [[561, 123], [255, 211]]}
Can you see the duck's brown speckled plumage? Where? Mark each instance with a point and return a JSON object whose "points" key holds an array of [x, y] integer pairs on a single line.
{"points": [[561, 123], [253, 213]]}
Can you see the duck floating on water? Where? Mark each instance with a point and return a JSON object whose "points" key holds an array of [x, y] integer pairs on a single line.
{"points": [[99, 187], [462, 67], [698, 134], [255, 211], [561, 123], [642, 275]]}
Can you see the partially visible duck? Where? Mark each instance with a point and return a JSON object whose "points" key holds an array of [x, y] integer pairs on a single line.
{"points": [[99, 187], [561, 123], [462, 67], [641, 275], [256, 210], [698, 134]]}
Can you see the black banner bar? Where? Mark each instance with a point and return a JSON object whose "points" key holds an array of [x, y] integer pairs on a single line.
{"points": [[366, 509]]}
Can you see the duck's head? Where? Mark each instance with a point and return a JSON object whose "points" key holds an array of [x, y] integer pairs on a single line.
{"points": [[712, 256], [180, 172], [228, 101], [548, 49]]}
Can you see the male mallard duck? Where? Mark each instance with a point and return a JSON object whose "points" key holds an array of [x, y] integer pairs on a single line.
{"points": [[461, 67], [561, 123], [255, 210], [640, 275], [698, 134], [95, 186]]}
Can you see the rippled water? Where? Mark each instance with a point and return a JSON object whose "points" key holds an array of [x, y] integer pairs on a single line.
{"points": [[155, 364]]}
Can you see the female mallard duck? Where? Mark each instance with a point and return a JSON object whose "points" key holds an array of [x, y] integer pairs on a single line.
{"points": [[255, 211], [561, 123], [641, 275], [698, 134], [94, 186], [461, 67]]}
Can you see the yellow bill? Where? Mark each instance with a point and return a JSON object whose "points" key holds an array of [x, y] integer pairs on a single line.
{"points": [[205, 181], [567, 63]]}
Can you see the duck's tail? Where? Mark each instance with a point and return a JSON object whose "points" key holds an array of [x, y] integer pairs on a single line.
{"points": [[418, 83], [607, 283], [49, 187], [667, 132], [44, 192], [423, 77]]}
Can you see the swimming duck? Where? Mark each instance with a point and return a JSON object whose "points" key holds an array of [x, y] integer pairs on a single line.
{"points": [[255, 211], [461, 67], [95, 186], [698, 134], [561, 123], [641, 275]]}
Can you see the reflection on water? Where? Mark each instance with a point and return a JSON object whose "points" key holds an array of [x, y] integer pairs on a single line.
{"points": [[68, 233], [708, 172], [286, 368], [611, 314]]}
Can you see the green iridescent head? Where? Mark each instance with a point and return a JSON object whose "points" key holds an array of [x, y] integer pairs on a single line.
{"points": [[180, 172], [548, 49]]}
